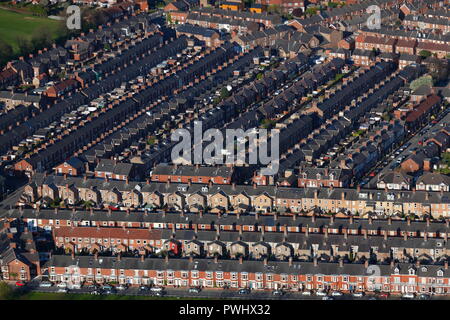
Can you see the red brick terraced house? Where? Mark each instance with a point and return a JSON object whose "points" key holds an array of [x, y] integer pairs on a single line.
{"points": [[257, 275], [91, 239], [194, 174], [370, 42]]}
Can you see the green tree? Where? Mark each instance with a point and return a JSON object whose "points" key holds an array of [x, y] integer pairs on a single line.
{"points": [[273, 8], [425, 53], [24, 45], [422, 81], [6, 52], [311, 11], [224, 93]]}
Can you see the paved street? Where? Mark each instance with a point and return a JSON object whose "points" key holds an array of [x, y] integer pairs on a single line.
{"points": [[212, 293], [422, 135]]}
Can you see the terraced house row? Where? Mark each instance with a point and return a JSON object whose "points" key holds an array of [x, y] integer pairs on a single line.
{"points": [[111, 116], [145, 124], [48, 219], [252, 244], [52, 60], [296, 276], [235, 198]]}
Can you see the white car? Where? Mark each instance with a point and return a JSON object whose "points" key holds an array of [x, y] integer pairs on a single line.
{"points": [[45, 284], [75, 286], [62, 290], [408, 296], [336, 294], [306, 293], [321, 293], [62, 285], [358, 294]]}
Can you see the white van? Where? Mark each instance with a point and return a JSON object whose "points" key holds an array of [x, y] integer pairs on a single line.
{"points": [[408, 296], [156, 289]]}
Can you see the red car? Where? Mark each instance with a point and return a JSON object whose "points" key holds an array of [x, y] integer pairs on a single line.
{"points": [[20, 284], [384, 295]]}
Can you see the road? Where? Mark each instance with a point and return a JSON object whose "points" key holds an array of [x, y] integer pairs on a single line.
{"points": [[422, 135], [226, 294]]}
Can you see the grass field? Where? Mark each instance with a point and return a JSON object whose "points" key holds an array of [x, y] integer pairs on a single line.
{"points": [[13, 25]]}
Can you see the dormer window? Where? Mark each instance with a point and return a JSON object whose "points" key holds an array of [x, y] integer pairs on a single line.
{"points": [[440, 273], [411, 271], [396, 270]]}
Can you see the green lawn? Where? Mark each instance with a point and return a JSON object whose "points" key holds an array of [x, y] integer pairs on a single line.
{"points": [[13, 25]]}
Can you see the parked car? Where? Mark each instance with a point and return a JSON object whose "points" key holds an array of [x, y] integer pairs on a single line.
{"points": [[306, 293], [63, 290], [62, 285], [327, 298], [278, 293], [194, 290], [321, 293], [20, 283], [96, 292], [408, 296], [384, 295], [91, 287], [45, 284], [336, 294], [244, 291], [158, 293], [156, 289], [358, 294], [143, 289], [75, 286], [122, 287], [424, 296], [109, 289]]}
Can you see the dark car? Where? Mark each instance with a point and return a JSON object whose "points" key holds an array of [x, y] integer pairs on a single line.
{"points": [[109, 290], [244, 291], [424, 296], [144, 289], [277, 293]]}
